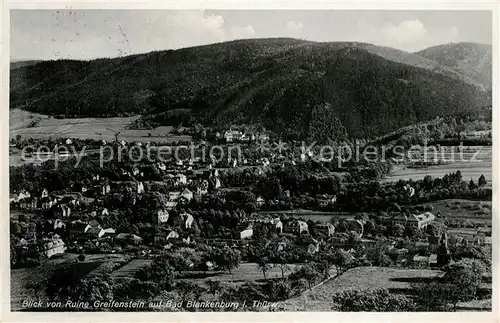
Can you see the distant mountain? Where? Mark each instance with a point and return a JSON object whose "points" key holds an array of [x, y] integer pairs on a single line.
{"points": [[286, 85], [471, 59], [18, 64]]}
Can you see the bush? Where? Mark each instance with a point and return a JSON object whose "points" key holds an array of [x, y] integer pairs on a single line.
{"points": [[371, 300]]}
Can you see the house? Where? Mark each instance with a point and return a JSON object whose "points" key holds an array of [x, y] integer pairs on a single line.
{"points": [[312, 248], [62, 211], [14, 198], [434, 242], [263, 137], [325, 228], [109, 232], [419, 221], [187, 194], [28, 204], [247, 137], [260, 201], [54, 246], [424, 219], [140, 188], [433, 260], [161, 217], [50, 225], [216, 183], [74, 202], [237, 135], [23, 195], [325, 200], [232, 135], [399, 219], [173, 196], [278, 225], [247, 233], [296, 227], [421, 261], [410, 191], [44, 193], [357, 225], [163, 237], [59, 224], [180, 179], [392, 250], [202, 188], [104, 188], [162, 166], [95, 233], [77, 229], [170, 205], [128, 238], [188, 220], [48, 202], [274, 225]]}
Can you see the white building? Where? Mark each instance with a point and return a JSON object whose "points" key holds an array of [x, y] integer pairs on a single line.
{"points": [[140, 188], [187, 194], [180, 179], [161, 217], [54, 247], [246, 234], [188, 220]]}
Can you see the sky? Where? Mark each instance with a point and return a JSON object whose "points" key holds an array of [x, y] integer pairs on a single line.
{"points": [[88, 34]]}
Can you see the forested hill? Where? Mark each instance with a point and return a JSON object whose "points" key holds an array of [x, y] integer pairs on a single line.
{"points": [[471, 59], [284, 84]]}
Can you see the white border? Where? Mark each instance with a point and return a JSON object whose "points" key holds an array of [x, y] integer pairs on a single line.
{"points": [[7, 316]]}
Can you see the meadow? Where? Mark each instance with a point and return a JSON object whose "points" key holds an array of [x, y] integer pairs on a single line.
{"points": [[395, 280], [38, 126], [472, 166]]}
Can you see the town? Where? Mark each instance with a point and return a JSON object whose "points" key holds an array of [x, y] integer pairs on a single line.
{"points": [[294, 218], [250, 161]]}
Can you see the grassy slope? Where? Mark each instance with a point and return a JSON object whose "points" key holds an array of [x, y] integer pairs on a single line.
{"points": [[395, 280]]}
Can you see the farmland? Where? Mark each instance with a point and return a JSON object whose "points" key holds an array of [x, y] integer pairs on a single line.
{"points": [[477, 211], [38, 126], [395, 280], [25, 281], [471, 166], [131, 269], [314, 215]]}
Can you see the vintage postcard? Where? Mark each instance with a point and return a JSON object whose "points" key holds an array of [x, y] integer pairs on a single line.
{"points": [[169, 161]]}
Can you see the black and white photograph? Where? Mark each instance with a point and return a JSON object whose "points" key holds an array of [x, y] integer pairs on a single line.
{"points": [[237, 160]]}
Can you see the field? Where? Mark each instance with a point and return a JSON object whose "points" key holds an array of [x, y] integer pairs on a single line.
{"points": [[477, 211], [23, 280], [246, 272], [131, 269], [471, 167], [313, 215], [395, 280], [43, 127]]}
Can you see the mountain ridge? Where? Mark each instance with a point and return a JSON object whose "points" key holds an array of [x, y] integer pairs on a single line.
{"points": [[275, 82], [471, 59]]}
